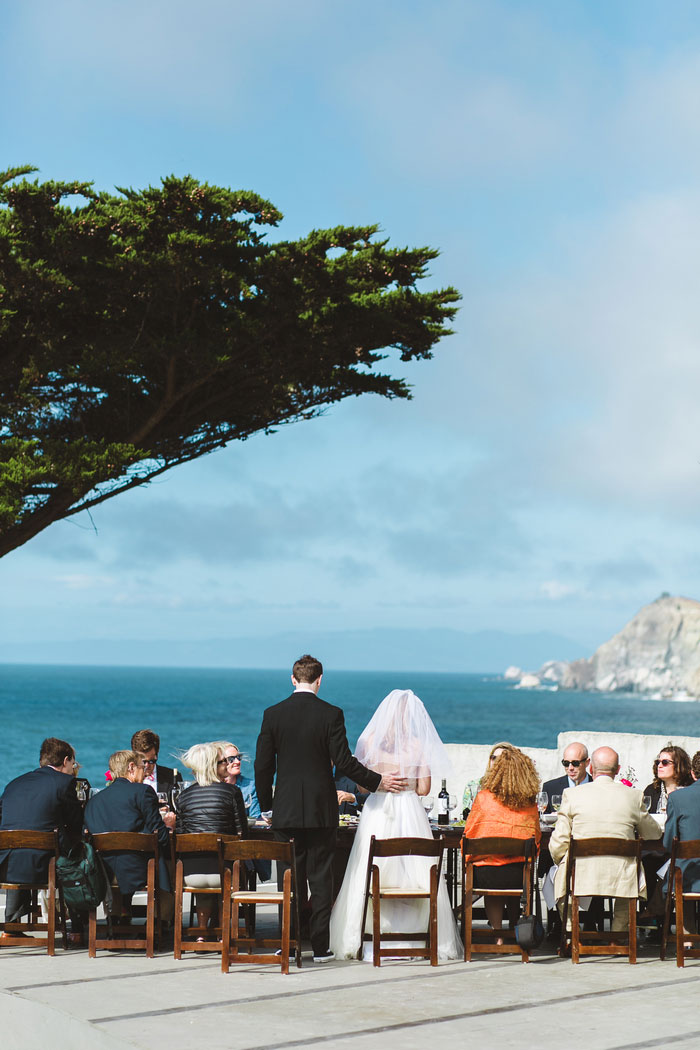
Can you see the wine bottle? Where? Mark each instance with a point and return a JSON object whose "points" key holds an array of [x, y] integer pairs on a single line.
{"points": [[443, 802]]}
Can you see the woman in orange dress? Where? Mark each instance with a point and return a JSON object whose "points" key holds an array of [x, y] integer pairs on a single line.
{"points": [[505, 807]]}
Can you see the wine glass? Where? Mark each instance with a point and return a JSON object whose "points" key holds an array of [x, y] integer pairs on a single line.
{"points": [[646, 803], [428, 803], [81, 792], [451, 805], [556, 802], [542, 801], [163, 804]]}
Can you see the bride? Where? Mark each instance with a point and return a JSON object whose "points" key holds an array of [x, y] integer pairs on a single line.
{"points": [[399, 737]]}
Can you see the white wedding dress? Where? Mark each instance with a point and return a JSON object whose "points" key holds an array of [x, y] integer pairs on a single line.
{"points": [[391, 816]]}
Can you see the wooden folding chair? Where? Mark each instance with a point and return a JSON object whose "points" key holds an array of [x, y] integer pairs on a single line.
{"points": [[426, 890], [121, 936], [202, 844], [676, 895], [587, 942], [44, 840], [482, 849], [243, 948]]}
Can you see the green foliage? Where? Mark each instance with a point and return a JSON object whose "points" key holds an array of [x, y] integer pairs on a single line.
{"points": [[145, 329]]}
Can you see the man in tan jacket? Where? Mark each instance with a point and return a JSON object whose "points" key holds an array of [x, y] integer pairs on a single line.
{"points": [[605, 808]]}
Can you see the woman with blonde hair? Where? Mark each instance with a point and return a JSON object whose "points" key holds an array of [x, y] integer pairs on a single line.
{"points": [[208, 805], [505, 807]]}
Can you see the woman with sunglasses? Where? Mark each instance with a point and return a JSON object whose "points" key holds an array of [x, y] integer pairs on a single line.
{"points": [[233, 775], [671, 771], [246, 786], [208, 805]]}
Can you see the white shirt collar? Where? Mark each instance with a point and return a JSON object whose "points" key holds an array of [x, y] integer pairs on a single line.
{"points": [[304, 687]]}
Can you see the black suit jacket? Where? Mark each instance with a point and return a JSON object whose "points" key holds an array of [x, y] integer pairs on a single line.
{"points": [[124, 806], [301, 739], [39, 801], [166, 776], [557, 787]]}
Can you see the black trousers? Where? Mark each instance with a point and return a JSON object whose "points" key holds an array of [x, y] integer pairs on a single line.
{"points": [[314, 849]]}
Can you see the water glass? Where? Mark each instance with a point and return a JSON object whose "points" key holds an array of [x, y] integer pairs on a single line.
{"points": [[428, 803], [646, 803], [556, 802]]}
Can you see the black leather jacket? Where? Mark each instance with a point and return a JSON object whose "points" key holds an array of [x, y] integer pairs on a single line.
{"points": [[212, 807]]}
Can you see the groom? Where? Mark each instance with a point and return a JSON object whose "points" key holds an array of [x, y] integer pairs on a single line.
{"points": [[302, 738]]}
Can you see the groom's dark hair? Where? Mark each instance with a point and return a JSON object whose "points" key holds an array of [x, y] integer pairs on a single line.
{"points": [[307, 669]]}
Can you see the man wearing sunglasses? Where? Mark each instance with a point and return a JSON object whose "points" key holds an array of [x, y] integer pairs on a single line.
{"points": [[575, 763]]}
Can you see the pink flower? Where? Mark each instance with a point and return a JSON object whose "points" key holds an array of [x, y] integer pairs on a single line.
{"points": [[627, 783], [108, 776]]}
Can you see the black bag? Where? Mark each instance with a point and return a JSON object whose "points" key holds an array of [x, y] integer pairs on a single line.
{"points": [[529, 931], [82, 877]]}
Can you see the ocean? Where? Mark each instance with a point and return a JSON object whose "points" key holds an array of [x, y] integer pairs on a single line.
{"points": [[98, 708]]}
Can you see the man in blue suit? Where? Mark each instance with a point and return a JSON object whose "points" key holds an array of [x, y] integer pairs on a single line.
{"points": [[683, 821], [41, 800]]}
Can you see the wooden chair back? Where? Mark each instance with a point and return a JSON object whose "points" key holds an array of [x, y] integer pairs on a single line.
{"points": [[247, 948], [41, 840], [191, 845], [480, 940], [401, 847], [686, 943], [595, 942], [121, 936]]}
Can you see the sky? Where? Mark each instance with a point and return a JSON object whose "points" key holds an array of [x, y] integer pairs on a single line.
{"points": [[546, 474]]}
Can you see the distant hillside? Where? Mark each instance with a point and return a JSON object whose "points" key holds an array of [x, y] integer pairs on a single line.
{"points": [[380, 649], [657, 652]]}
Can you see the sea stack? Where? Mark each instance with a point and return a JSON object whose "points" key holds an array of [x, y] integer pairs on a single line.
{"points": [[657, 652]]}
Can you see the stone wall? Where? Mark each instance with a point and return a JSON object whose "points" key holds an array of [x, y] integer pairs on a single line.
{"points": [[636, 751]]}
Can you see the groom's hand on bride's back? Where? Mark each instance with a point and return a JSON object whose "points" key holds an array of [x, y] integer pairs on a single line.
{"points": [[392, 782]]}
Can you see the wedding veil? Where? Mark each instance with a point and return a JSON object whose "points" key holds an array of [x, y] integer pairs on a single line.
{"points": [[400, 736]]}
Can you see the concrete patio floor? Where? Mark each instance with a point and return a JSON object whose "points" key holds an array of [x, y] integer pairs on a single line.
{"points": [[123, 999]]}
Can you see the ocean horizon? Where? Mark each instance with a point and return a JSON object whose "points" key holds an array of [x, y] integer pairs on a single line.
{"points": [[97, 708]]}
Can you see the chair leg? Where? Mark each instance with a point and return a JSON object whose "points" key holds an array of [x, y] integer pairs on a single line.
{"points": [[433, 926], [286, 916], [667, 918], [680, 919], [633, 930], [468, 912], [150, 908], [575, 929], [179, 891], [51, 904], [92, 933], [376, 919], [226, 922]]}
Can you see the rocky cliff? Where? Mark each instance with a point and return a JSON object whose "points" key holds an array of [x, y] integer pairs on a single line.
{"points": [[657, 652]]}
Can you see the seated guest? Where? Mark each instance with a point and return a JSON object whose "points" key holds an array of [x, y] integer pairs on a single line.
{"points": [[233, 775], [160, 778], [605, 808], [575, 763], [128, 805], [683, 822], [232, 754], [41, 800], [505, 807], [671, 771], [350, 799], [209, 805]]}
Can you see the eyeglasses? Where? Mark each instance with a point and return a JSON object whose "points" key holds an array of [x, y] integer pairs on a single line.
{"points": [[232, 758], [665, 762], [575, 762], [222, 761], [150, 761]]}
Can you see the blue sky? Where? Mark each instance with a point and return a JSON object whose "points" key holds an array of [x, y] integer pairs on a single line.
{"points": [[546, 475]]}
